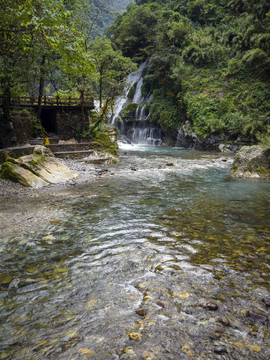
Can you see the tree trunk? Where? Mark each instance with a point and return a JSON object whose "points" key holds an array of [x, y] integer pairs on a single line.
{"points": [[41, 87], [6, 105], [6, 128], [100, 90]]}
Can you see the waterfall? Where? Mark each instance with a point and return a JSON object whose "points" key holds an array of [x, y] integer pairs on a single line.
{"points": [[137, 129], [122, 101]]}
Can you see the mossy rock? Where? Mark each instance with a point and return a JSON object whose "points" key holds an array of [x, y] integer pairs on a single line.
{"points": [[129, 112], [7, 172], [252, 162], [19, 174], [105, 143], [36, 171], [131, 92]]}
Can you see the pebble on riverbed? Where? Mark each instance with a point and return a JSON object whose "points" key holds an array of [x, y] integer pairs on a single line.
{"points": [[266, 301], [257, 317], [141, 312], [212, 306], [135, 336], [220, 350], [224, 321]]}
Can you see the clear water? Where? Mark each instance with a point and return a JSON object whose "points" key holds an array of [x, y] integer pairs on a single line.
{"points": [[168, 258]]}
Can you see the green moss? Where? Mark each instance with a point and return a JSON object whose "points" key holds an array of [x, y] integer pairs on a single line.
{"points": [[39, 160], [11, 160], [7, 172], [264, 173], [33, 163]]}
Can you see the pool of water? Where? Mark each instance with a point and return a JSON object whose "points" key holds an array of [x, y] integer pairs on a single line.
{"points": [[165, 258]]}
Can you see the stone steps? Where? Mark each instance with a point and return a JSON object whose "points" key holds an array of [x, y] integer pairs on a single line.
{"points": [[67, 150], [77, 154], [71, 147]]}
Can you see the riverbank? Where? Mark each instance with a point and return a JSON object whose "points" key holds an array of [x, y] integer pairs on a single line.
{"points": [[24, 207]]}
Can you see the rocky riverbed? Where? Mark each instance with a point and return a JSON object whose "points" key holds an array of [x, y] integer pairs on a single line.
{"points": [[24, 207], [163, 256]]}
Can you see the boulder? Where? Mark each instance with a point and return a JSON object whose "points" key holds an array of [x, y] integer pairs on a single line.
{"points": [[43, 151], [228, 148], [186, 138], [101, 157], [252, 162], [13, 171], [36, 170]]}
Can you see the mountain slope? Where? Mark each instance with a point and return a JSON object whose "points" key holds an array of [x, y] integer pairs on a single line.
{"points": [[209, 64]]}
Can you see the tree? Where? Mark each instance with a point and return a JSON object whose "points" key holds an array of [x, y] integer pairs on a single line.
{"points": [[108, 82], [40, 38]]}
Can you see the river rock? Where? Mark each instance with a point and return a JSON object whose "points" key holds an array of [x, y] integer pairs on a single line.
{"points": [[266, 301], [141, 312], [100, 157], [257, 317], [135, 336], [36, 170], [212, 306], [252, 162], [228, 148], [43, 151], [220, 350], [224, 321], [15, 172]]}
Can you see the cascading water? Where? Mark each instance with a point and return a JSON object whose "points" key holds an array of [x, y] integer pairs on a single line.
{"points": [[122, 101], [136, 128]]}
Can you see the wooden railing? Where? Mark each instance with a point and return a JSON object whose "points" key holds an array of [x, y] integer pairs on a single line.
{"points": [[51, 101]]}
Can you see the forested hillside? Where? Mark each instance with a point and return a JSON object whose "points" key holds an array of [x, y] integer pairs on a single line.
{"points": [[103, 13], [208, 63]]}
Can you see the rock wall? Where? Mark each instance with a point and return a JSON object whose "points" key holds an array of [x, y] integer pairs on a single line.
{"points": [[71, 123], [22, 125]]}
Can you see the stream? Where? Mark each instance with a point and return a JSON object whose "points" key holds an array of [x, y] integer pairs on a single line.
{"points": [[164, 258]]}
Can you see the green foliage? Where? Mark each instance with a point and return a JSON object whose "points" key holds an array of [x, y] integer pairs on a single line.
{"points": [[102, 15], [134, 31], [42, 41], [164, 112], [37, 128], [203, 49], [111, 70], [49, 44], [205, 115]]}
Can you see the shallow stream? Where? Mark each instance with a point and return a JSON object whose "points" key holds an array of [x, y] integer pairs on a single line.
{"points": [[167, 257]]}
